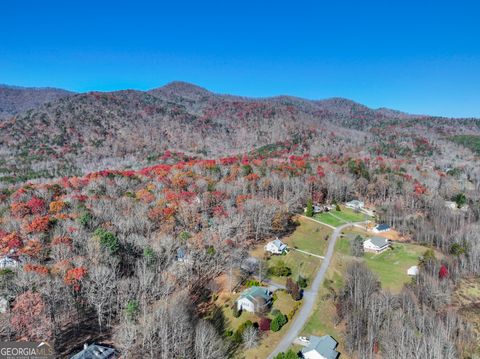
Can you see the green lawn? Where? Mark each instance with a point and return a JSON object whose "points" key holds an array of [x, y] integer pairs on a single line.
{"points": [[337, 218], [391, 266], [309, 236], [284, 303], [300, 264]]}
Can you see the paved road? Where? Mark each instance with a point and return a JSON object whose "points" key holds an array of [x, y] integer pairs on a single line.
{"points": [[309, 297]]}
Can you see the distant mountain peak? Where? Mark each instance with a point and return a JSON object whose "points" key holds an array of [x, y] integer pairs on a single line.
{"points": [[181, 89]]}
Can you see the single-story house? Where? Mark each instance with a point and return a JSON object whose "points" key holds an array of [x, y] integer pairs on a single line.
{"points": [[355, 204], [95, 351], [8, 263], [321, 348], [376, 244], [276, 247], [254, 299], [413, 270], [382, 227]]}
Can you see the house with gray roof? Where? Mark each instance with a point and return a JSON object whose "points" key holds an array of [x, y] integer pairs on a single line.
{"points": [[95, 351], [255, 299], [355, 204], [376, 244], [276, 247], [321, 348]]}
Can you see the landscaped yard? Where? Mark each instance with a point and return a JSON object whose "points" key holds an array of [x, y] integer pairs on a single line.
{"points": [[337, 218], [309, 236], [300, 264], [284, 303], [391, 266]]}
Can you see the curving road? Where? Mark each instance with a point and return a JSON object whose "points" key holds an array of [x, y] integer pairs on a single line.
{"points": [[310, 296]]}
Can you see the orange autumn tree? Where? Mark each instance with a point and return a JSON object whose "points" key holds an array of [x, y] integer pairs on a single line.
{"points": [[74, 276], [39, 224]]}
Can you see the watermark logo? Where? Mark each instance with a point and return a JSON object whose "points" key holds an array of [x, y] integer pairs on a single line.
{"points": [[26, 350]]}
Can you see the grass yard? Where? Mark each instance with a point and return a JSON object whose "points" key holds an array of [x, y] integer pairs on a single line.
{"points": [[391, 266], [284, 303], [300, 264], [337, 218], [309, 236]]}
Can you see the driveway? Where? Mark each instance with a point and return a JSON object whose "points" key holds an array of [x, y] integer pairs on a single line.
{"points": [[309, 297]]}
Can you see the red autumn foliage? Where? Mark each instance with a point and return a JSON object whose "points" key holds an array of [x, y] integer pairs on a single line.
{"points": [[39, 224], [264, 324], [29, 317], [36, 205], [320, 171], [36, 268], [19, 209], [443, 272], [62, 240], [252, 177], [74, 276]]}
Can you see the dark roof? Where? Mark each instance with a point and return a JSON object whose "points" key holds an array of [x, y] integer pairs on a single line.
{"points": [[383, 227], [94, 351]]}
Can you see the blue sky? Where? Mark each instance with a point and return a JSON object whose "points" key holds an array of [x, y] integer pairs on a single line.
{"points": [[417, 56]]}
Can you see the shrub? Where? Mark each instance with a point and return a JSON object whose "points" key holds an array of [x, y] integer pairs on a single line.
{"points": [[280, 270], [264, 324], [302, 282], [252, 283], [287, 355], [107, 240], [278, 322], [309, 211], [236, 312]]}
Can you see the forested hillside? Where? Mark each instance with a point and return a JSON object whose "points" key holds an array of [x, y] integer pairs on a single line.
{"points": [[100, 191]]}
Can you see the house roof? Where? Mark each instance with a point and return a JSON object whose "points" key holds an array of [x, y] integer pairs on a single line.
{"points": [[355, 202], [382, 227], [254, 293], [325, 346], [279, 244], [94, 351], [379, 241]]}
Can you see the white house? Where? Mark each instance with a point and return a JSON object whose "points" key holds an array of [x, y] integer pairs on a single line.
{"points": [[276, 247], [321, 348], [376, 244], [355, 204], [382, 227], [3, 304], [8, 263], [254, 299], [413, 270]]}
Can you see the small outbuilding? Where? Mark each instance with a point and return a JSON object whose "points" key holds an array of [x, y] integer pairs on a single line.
{"points": [[382, 227], [413, 271]]}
